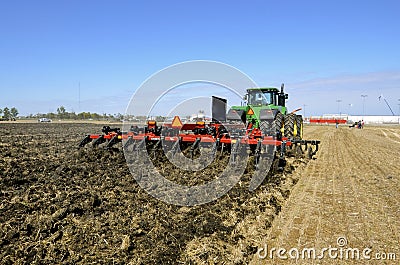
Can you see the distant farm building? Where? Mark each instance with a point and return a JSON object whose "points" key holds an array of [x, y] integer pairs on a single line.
{"points": [[348, 119]]}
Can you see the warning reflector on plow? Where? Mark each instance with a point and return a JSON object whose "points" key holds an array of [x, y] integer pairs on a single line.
{"points": [[250, 112], [176, 122]]}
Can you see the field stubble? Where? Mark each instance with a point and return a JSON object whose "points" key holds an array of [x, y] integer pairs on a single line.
{"points": [[350, 191]]}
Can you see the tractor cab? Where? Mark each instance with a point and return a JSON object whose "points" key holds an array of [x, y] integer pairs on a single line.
{"points": [[265, 97], [260, 97]]}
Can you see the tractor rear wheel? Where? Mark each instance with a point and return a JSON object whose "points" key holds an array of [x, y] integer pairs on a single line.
{"points": [[299, 121], [277, 125], [290, 125]]}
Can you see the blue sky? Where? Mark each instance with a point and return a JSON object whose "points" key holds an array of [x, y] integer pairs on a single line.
{"points": [[321, 50]]}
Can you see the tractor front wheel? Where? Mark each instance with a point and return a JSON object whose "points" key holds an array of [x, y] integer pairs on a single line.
{"points": [[265, 127]]}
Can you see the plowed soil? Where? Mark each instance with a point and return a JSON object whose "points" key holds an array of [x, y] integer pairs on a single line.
{"points": [[59, 204], [63, 205]]}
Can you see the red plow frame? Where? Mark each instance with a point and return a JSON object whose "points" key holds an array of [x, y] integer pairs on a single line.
{"points": [[213, 133]]}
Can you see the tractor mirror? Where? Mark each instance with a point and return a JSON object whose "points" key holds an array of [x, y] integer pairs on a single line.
{"points": [[286, 96]]}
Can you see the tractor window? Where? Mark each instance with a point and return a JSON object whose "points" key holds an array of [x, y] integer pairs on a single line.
{"points": [[260, 98]]}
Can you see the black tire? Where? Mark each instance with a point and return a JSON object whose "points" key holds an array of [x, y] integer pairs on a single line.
{"points": [[264, 126], [299, 121], [277, 125], [290, 125]]}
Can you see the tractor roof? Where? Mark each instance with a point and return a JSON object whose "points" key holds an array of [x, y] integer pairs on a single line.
{"points": [[272, 89]]}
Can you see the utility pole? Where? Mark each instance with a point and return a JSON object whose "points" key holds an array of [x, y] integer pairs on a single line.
{"points": [[340, 113], [304, 110], [363, 99], [79, 96]]}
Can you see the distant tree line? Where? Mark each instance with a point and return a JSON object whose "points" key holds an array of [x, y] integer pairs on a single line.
{"points": [[8, 114], [63, 114]]}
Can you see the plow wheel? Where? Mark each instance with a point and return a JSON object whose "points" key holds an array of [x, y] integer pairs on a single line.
{"points": [[291, 128]]}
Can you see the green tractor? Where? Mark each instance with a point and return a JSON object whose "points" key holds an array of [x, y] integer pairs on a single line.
{"points": [[265, 109]]}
